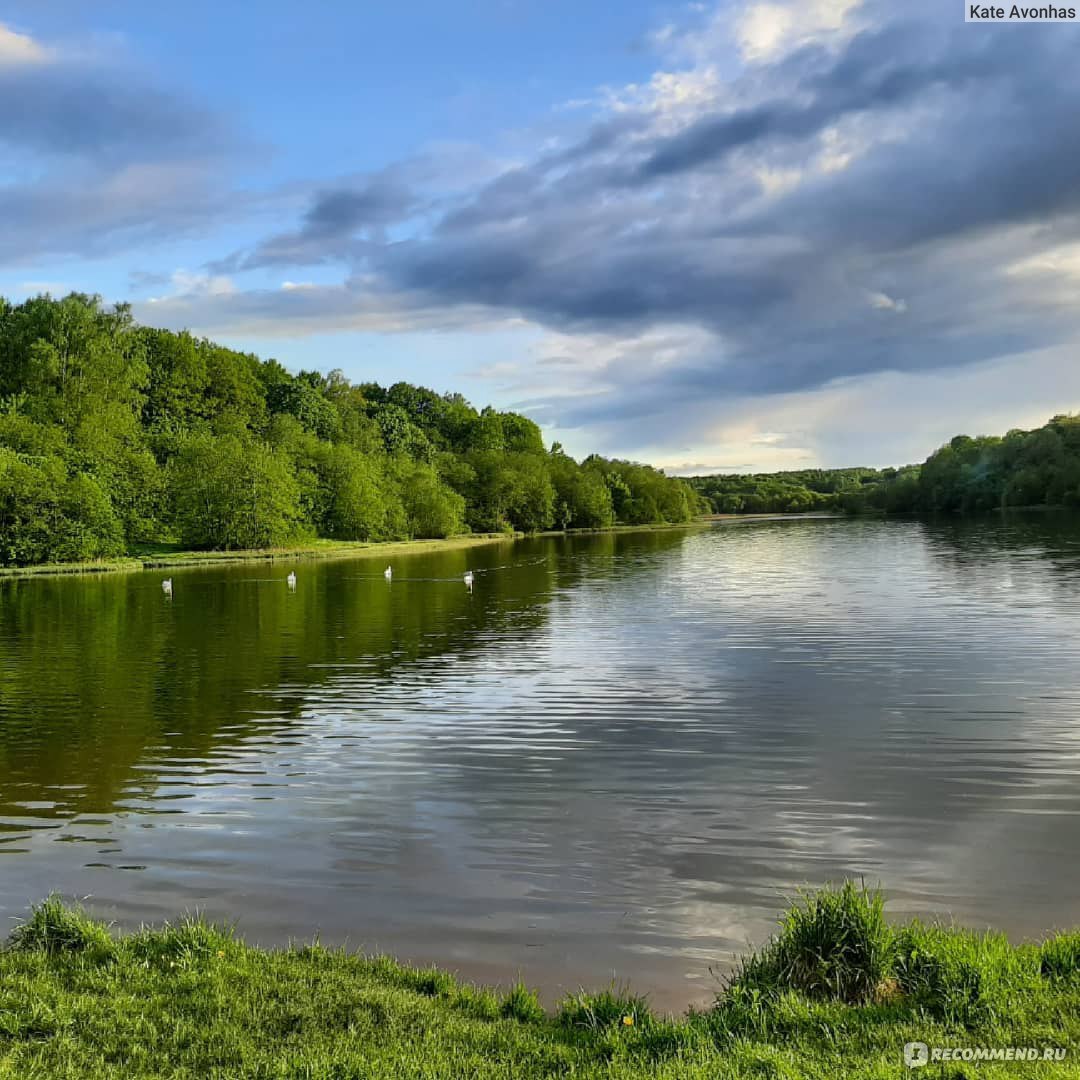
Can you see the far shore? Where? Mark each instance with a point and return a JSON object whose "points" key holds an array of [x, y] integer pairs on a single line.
{"points": [[165, 557], [813, 515]]}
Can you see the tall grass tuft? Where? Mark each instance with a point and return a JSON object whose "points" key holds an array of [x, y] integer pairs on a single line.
{"points": [[181, 946], [605, 1009], [523, 1005], [1059, 958], [55, 928], [833, 944]]}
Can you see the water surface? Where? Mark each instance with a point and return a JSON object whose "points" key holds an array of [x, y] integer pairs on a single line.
{"points": [[616, 757]]}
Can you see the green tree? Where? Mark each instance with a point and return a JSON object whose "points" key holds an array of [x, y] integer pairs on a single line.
{"points": [[229, 492], [432, 508], [113, 435], [582, 498], [358, 502]]}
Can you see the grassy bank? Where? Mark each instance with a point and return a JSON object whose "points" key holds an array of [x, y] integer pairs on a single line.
{"points": [[166, 556], [837, 993]]}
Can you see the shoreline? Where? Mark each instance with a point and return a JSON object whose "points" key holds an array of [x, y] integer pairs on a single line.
{"points": [[192, 998], [314, 551]]}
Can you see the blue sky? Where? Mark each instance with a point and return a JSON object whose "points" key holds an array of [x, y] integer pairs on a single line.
{"points": [[745, 235]]}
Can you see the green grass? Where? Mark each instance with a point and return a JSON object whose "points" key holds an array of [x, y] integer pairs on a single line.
{"points": [[164, 556], [836, 993], [832, 945], [167, 556]]}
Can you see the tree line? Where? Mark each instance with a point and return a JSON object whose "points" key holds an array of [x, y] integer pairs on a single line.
{"points": [[796, 492], [114, 436], [1039, 468]]}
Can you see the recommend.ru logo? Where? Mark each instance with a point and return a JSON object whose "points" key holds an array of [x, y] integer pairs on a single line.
{"points": [[918, 1054]]}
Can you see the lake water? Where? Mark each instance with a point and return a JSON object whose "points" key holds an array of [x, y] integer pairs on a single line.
{"points": [[616, 757]]}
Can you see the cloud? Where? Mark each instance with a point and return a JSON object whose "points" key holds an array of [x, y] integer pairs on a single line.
{"points": [[186, 283], [767, 30], [300, 309], [99, 156], [884, 302], [878, 189], [352, 218], [340, 225], [76, 105], [104, 212], [19, 50]]}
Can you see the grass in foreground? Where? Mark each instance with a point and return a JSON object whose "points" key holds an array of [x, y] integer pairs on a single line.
{"points": [[836, 993]]}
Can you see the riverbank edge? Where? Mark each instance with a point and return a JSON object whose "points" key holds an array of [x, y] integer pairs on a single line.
{"points": [[317, 550], [838, 992]]}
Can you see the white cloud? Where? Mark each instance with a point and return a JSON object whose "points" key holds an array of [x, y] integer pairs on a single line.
{"points": [[16, 48], [1059, 261], [187, 284], [778, 181], [673, 98], [765, 31], [885, 302]]}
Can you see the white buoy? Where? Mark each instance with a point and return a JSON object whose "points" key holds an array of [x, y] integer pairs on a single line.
{"points": [[468, 579], [291, 579], [388, 573], [166, 586]]}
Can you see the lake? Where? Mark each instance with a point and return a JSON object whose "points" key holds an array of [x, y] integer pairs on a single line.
{"points": [[617, 757]]}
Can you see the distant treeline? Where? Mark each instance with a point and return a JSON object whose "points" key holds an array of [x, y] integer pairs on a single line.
{"points": [[115, 435], [782, 493], [1023, 468]]}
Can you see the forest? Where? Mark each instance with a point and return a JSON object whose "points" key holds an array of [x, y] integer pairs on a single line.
{"points": [[796, 492], [1039, 468], [115, 436]]}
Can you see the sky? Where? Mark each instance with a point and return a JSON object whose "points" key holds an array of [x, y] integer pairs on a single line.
{"points": [[714, 237]]}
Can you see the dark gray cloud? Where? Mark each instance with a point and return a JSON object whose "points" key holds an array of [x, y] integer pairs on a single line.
{"points": [[376, 203], [342, 223], [108, 116]]}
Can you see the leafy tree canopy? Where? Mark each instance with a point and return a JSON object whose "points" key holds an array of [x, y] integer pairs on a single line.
{"points": [[114, 434]]}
